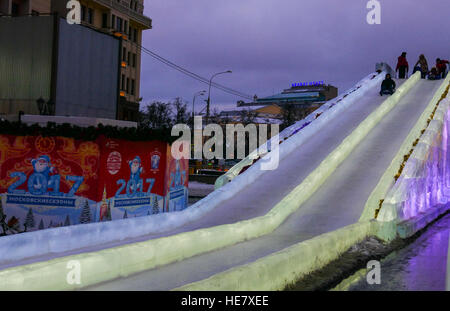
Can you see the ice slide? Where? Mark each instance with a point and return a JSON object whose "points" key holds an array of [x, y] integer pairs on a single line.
{"points": [[245, 198], [338, 202], [347, 189]]}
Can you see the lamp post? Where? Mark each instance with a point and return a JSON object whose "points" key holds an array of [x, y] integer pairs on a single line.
{"points": [[50, 107], [45, 108], [209, 93], [40, 103], [201, 93]]}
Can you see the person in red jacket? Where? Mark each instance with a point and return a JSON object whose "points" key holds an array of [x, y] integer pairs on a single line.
{"points": [[441, 66], [402, 66]]}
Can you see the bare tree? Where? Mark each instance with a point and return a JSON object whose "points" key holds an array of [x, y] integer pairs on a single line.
{"points": [[156, 115], [247, 116], [291, 114], [181, 115], [165, 115]]}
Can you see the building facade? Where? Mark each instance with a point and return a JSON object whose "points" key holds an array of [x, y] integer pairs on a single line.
{"points": [[123, 19], [300, 99]]}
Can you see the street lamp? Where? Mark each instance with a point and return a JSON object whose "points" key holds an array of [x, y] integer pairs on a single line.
{"points": [[209, 93], [50, 107], [201, 93], [40, 103], [45, 108]]}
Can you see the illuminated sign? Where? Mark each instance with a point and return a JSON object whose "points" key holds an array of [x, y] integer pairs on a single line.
{"points": [[312, 83]]}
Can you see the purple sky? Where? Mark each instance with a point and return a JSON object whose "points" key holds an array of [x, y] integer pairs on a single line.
{"points": [[270, 44]]}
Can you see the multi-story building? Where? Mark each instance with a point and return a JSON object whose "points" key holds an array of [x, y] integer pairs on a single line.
{"points": [[123, 19]]}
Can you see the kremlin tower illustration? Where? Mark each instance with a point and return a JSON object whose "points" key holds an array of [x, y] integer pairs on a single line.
{"points": [[105, 208]]}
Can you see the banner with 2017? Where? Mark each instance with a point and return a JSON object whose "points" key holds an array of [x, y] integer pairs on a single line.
{"points": [[48, 182]]}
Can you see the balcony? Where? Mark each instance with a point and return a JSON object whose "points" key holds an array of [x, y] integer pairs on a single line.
{"points": [[123, 6]]}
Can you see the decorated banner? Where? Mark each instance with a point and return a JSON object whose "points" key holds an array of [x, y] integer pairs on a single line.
{"points": [[177, 174], [50, 182], [132, 179]]}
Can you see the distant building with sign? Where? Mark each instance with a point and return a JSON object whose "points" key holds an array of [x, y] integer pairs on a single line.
{"points": [[304, 97], [271, 114], [301, 95]]}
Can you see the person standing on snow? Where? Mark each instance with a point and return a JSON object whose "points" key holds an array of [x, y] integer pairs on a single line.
{"points": [[402, 66], [423, 65]]}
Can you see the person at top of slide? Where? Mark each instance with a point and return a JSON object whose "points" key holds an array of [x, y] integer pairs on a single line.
{"points": [[441, 66], [402, 66], [434, 74], [423, 65]]}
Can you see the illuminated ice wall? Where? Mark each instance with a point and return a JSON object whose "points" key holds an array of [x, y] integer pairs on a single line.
{"points": [[424, 182]]}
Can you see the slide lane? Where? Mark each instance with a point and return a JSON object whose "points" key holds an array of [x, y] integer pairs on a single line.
{"points": [[337, 203]]}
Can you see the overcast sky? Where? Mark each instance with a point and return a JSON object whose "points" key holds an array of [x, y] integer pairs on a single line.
{"points": [[269, 44]]}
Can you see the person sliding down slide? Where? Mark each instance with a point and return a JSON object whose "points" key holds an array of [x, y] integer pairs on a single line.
{"points": [[388, 86]]}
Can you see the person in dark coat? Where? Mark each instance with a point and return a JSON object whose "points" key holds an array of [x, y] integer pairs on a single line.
{"points": [[388, 86], [402, 66]]}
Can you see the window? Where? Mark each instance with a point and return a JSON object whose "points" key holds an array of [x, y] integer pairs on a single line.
{"points": [[128, 85], [134, 60], [123, 82], [15, 9], [135, 34], [132, 86], [113, 21], [90, 16], [83, 13], [119, 24], [129, 58], [104, 20], [124, 54], [125, 27], [131, 33]]}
